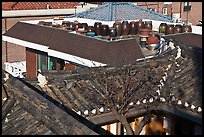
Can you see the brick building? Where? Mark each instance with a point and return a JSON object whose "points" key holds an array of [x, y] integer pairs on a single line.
{"points": [[176, 9], [12, 52]]}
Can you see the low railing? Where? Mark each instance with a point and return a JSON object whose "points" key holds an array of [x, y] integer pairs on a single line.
{"points": [[16, 69]]}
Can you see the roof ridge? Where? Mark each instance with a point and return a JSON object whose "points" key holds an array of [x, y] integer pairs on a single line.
{"points": [[25, 92]]}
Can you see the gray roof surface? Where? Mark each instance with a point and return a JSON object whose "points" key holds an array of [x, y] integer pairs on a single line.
{"points": [[113, 53]]}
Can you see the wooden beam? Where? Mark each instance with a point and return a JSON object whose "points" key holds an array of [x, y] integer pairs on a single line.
{"points": [[7, 106], [174, 110]]}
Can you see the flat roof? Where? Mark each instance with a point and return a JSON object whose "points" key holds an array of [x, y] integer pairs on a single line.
{"points": [[113, 53]]}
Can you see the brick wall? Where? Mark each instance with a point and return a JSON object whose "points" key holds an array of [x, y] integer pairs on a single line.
{"points": [[31, 63], [194, 16], [15, 52], [69, 66]]}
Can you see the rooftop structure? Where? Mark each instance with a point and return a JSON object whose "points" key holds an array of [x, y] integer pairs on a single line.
{"points": [[68, 46], [113, 11]]}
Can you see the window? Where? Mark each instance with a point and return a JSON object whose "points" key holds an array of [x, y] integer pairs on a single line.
{"points": [[152, 9], [164, 11], [42, 61], [51, 63]]}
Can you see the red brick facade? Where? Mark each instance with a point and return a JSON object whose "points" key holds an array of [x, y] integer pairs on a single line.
{"points": [[12, 51], [69, 66], [194, 16], [31, 63]]}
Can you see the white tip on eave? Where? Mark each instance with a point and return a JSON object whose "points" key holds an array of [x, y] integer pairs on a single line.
{"points": [[159, 86], [86, 112], [151, 100], [168, 67], [144, 101], [6, 120], [199, 109], [131, 103], [162, 99], [93, 111], [162, 84], [171, 45], [178, 70], [179, 102], [193, 107], [6, 77], [164, 78], [79, 112], [158, 91], [138, 102], [178, 53], [173, 98], [5, 98], [186, 104], [101, 109]]}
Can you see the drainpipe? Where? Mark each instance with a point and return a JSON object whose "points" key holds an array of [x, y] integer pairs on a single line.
{"points": [[6, 41], [180, 8], [75, 11]]}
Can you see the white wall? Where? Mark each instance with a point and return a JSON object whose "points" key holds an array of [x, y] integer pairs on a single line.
{"points": [[90, 22]]}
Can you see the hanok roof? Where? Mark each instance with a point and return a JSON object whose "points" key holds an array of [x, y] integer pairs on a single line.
{"points": [[112, 11], [172, 84], [114, 53], [37, 5], [187, 39], [27, 111]]}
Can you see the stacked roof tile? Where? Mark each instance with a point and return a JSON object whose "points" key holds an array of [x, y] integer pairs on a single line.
{"points": [[37, 5], [41, 116]]}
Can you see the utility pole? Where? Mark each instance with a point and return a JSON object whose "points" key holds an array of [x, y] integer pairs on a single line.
{"points": [[75, 11]]}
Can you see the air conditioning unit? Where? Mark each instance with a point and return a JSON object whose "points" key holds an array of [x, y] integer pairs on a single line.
{"points": [[186, 8], [176, 17]]}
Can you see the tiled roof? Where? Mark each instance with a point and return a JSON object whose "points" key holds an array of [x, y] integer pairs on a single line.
{"points": [[112, 11], [28, 111], [176, 87], [8, 5], [37, 5], [187, 39]]}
